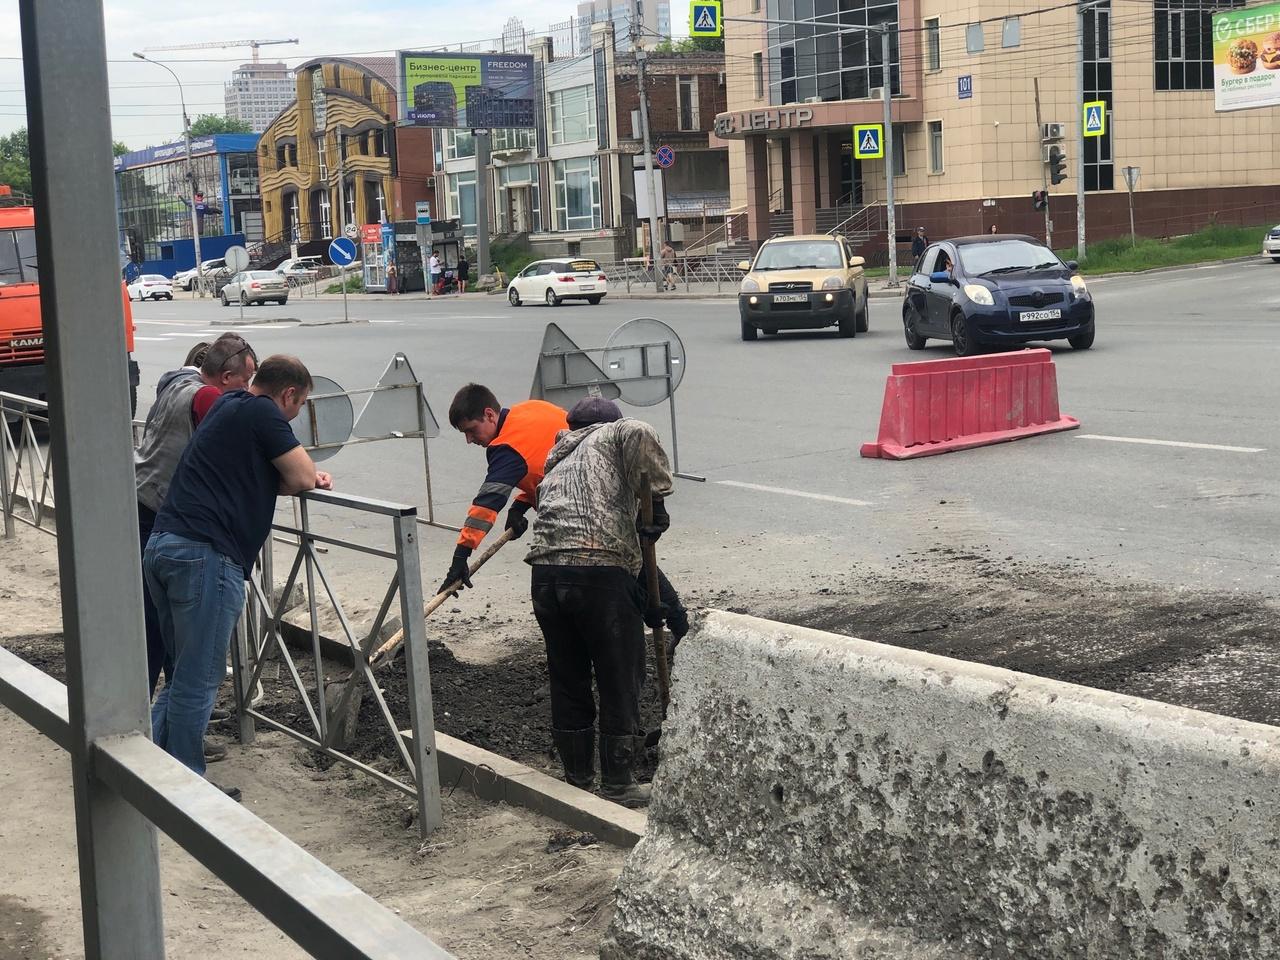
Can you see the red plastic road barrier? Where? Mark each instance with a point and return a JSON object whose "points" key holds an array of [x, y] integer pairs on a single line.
{"points": [[936, 406]]}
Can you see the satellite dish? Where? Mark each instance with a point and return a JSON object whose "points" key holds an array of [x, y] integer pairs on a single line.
{"points": [[334, 418], [636, 357]]}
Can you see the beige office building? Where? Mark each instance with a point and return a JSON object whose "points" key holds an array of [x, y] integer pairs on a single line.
{"points": [[969, 152]]}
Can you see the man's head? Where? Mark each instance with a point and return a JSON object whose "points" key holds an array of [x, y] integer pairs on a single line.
{"points": [[591, 410], [229, 363], [286, 381], [920, 231], [475, 412]]}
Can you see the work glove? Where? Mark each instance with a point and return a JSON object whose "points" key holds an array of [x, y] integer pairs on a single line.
{"points": [[655, 616], [650, 532], [517, 523], [457, 572]]}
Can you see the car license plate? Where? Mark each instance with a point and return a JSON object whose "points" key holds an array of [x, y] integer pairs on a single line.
{"points": [[586, 286], [790, 298], [1031, 316]]}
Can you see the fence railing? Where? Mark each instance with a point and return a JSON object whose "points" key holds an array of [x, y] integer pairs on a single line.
{"points": [[688, 274], [26, 476]]}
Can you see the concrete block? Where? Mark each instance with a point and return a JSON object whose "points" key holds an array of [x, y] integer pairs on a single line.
{"points": [[825, 797]]}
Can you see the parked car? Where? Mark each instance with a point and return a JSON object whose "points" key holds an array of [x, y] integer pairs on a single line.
{"points": [[256, 286], [300, 269], [554, 281], [186, 279], [150, 286], [1271, 244], [802, 283], [995, 290]]}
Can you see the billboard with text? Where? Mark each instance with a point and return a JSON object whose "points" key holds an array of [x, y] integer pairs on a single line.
{"points": [[465, 90], [1246, 58]]}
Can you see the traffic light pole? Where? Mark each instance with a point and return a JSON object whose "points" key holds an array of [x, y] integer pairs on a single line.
{"points": [[1081, 6], [1044, 171]]}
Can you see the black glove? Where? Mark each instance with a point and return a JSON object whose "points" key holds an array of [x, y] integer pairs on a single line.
{"points": [[457, 572], [650, 532], [516, 520], [655, 616]]}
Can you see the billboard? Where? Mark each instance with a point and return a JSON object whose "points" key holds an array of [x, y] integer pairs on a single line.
{"points": [[1246, 58], [483, 90]]}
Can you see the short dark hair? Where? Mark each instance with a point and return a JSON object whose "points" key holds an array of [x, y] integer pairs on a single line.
{"points": [[228, 354], [280, 372], [470, 403]]}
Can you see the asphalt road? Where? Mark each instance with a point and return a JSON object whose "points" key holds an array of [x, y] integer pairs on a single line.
{"points": [[1186, 357]]}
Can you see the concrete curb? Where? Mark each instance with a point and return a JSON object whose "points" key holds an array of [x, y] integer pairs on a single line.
{"points": [[492, 777], [331, 323], [247, 322]]}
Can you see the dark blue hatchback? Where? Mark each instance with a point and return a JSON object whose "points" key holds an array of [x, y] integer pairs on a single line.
{"points": [[995, 291]]}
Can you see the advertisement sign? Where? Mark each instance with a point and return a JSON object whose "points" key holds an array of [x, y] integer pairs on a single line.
{"points": [[466, 90], [371, 233], [1246, 58]]}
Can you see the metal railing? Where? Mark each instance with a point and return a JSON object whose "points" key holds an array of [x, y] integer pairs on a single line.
{"points": [[26, 476], [259, 637], [688, 274]]}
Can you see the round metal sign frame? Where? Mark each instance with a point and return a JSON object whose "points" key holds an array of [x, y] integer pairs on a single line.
{"points": [[636, 350], [237, 258], [665, 157], [335, 419], [342, 252]]}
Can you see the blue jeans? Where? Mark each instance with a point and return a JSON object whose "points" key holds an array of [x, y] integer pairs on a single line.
{"points": [[198, 594]]}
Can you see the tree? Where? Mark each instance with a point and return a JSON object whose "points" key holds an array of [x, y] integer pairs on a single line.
{"points": [[210, 123], [15, 161], [118, 149], [691, 45]]}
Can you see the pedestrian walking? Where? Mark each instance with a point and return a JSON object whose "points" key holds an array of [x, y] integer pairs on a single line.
{"points": [[207, 535], [586, 555], [668, 266], [918, 243], [435, 271], [393, 279], [464, 270], [183, 398]]}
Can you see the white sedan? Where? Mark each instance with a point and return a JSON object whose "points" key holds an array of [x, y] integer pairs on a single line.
{"points": [[553, 281], [151, 286]]}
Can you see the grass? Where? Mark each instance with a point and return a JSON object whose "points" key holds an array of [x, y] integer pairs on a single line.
{"points": [[1215, 242], [355, 284]]}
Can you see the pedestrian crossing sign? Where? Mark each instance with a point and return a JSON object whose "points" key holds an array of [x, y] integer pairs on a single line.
{"points": [[1095, 118], [868, 141], [706, 18]]}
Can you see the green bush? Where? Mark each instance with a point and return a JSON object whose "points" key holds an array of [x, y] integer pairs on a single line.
{"points": [[1214, 242], [355, 284], [510, 258]]}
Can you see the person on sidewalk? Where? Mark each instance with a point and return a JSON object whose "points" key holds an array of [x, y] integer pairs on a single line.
{"points": [[586, 556], [393, 280], [918, 243], [516, 441], [183, 399], [464, 270], [669, 273], [434, 266], [207, 535]]}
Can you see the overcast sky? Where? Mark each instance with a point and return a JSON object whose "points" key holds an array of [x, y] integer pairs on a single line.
{"points": [[144, 98]]}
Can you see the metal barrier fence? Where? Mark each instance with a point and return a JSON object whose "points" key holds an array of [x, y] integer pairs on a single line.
{"points": [[259, 635], [687, 274], [26, 478]]}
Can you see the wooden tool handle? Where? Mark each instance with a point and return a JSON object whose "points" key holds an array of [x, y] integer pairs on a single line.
{"points": [[384, 652], [650, 552]]}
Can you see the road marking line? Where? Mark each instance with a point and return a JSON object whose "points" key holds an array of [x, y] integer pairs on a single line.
{"points": [[154, 339], [1171, 443], [795, 493], [386, 321]]}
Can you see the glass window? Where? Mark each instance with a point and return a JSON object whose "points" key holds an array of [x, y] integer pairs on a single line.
{"points": [[462, 200], [819, 60], [323, 155], [512, 138], [799, 255], [577, 194], [10, 268], [318, 106], [974, 41], [932, 44], [459, 144], [935, 146], [899, 150], [1011, 32], [573, 115], [1183, 42], [1099, 171], [757, 73], [687, 102]]}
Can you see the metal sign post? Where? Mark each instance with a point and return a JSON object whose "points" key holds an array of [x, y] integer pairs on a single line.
{"points": [[342, 253], [237, 259], [1131, 175]]}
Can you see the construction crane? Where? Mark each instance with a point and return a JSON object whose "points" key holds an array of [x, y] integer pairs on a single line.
{"points": [[255, 44]]}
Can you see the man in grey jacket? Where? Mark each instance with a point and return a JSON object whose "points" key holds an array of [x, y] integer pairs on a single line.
{"points": [[585, 554]]}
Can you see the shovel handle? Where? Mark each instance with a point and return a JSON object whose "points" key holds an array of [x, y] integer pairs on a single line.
{"points": [[650, 553], [397, 638]]}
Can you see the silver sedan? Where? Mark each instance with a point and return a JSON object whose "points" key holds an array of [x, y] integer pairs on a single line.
{"points": [[255, 286]]}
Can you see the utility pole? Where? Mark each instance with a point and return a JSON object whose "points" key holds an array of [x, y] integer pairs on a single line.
{"points": [[191, 172], [892, 216], [1081, 6], [482, 201], [342, 188], [655, 244], [1044, 171]]}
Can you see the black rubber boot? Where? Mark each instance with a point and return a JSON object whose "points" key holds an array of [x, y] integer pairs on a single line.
{"points": [[577, 749], [617, 757]]}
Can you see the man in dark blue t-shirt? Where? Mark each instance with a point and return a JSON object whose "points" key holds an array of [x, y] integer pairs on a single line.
{"points": [[215, 518]]}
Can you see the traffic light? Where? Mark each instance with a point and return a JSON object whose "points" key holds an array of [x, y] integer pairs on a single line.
{"points": [[1040, 199], [1057, 165]]}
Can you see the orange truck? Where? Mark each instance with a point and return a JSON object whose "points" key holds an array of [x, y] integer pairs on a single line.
{"points": [[22, 367]]}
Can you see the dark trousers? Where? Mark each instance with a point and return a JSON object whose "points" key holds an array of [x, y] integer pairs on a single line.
{"points": [[157, 658], [591, 621]]}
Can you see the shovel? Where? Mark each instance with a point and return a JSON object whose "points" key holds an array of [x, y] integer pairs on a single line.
{"points": [[649, 550], [344, 698]]}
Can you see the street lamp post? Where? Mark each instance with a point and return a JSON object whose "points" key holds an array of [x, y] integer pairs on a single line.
{"points": [[191, 172]]}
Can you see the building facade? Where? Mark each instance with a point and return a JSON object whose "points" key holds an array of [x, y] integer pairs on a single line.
{"points": [[651, 19], [257, 92], [334, 156], [569, 184], [154, 195], [969, 150]]}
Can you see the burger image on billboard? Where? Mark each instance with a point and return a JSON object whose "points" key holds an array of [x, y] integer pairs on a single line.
{"points": [[1270, 55], [1243, 56]]}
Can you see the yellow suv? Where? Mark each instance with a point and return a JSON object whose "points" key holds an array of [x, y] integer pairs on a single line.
{"points": [[800, 283]]}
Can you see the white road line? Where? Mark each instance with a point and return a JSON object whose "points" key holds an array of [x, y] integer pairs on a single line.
{"points": [[386, 321], [151, 339], [1171, 443], [795, 493]]}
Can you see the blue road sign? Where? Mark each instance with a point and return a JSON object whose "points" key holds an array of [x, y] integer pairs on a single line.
{"points": [[1095, 118], [868, 141], [665, 157], [964, 87], [342, 252]]}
